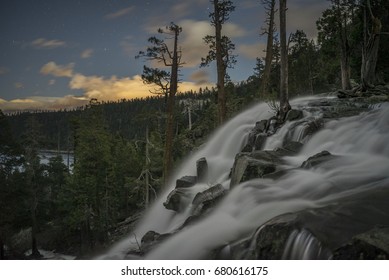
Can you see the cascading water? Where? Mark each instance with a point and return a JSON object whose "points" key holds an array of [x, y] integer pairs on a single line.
{"points": [[363, 163]]}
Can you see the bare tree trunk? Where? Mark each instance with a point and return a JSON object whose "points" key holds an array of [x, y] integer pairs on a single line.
{"points": [[370, 51], [345, 48], [168, 156], [284, 95], [220, 65], [263, 91], [147, 183]]}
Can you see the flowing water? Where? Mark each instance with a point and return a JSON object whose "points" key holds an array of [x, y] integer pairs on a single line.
{"points": [[363, 163]]}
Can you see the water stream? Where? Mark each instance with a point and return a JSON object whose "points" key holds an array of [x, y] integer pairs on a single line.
{"points": [[361, 142]]}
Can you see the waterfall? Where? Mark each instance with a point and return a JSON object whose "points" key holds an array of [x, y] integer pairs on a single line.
{"points": [[361, 142]]}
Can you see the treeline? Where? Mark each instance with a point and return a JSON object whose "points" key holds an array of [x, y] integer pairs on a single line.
{"points": [[127, 118]]}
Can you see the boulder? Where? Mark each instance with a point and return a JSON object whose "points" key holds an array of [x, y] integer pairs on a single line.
{"points": [[186, 182], [207, 199], [318, 159], [292, 147], [174, 199], [202, 169], [260, 126], [268, 241], [254, 165], [370, 245], [293, 115], [149, 241]]}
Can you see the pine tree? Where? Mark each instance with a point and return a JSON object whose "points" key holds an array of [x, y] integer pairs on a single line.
{"points": [[166, 81], [284, 95], [221, 49], [270, 12]]}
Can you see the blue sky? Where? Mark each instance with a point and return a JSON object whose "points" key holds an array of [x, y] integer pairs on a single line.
{"points": [[57, 53]]}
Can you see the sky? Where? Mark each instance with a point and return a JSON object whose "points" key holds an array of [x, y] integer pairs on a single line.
{"points": [[61, 53]]}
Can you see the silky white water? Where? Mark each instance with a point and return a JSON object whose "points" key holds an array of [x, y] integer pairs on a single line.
{"points": [[363, 163]]}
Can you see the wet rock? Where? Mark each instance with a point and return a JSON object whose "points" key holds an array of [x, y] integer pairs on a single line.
{"points": [[250, 166], [260, 140], [202, 169], [370, 245], [207, 199], [272, 126], [258, 164], [268, 241], [150, 240], [312, 127], [174, 200], [317, 159], [293, 115], [247, 148], [293, 147], [186, 182], [150, 236], [260, 126]]}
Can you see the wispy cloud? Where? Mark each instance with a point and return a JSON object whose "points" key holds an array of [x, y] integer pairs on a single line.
{"points": [[119, 13], [200, 77], [52, 68], [87, 53], [42, 43]]}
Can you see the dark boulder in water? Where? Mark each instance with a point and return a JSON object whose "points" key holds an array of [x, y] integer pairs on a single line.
{"points": [[207, 199], [370, 245], [202, 170]]}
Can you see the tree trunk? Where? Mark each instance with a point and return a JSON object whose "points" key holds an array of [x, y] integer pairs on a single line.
{"points": [[345, 71], [168, 156], [147, 191], [284, 95], [345, 48], [263, 91], [370, 52], [34, 227], [220, 65]]}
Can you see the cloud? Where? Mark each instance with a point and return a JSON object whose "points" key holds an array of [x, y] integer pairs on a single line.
{"points": [[43, 43], [52, 68], [87, 53], [252, 51], [119, 13], [191, 40], [4, 70], [113, 88], [102, 88], [42, 102], [200, 77]]}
